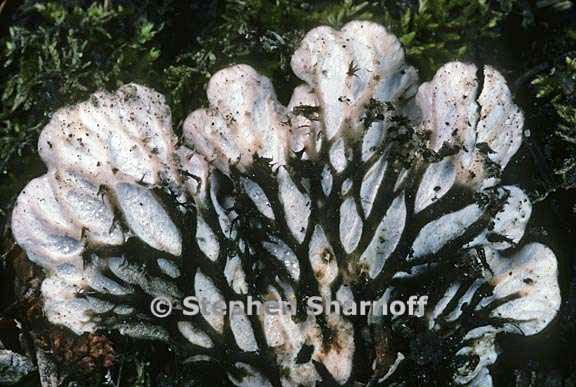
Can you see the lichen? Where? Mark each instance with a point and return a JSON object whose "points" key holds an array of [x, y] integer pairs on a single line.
{"points": [[13, 367], [365, 187]]}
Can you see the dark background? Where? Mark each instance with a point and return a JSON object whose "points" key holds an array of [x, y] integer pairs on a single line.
{"points": [[53, 53]]}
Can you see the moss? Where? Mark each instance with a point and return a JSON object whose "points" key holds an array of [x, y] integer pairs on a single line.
{"points": [[557, 88]]}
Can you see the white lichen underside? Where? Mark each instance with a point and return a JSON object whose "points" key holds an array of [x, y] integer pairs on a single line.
{"points": [[106, 155]]}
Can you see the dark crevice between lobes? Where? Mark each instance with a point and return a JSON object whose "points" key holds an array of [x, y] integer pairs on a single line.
{"points": [[139, 253]]}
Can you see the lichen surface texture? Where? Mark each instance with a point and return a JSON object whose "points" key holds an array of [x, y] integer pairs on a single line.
{"points": [[368, 186]]}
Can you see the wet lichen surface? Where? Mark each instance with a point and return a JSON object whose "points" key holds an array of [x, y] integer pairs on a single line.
{"points": [[333, 208]]}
